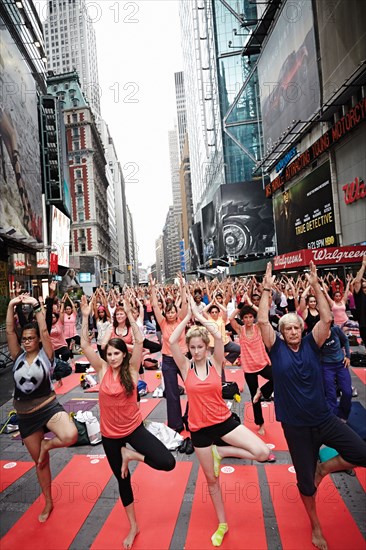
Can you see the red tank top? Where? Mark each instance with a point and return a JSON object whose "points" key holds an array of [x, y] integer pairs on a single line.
{"points": [[119, 412], [206, 405]]}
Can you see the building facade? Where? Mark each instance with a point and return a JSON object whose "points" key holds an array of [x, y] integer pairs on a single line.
{"points": [[171, 238], [70, 44], [180, 99]]}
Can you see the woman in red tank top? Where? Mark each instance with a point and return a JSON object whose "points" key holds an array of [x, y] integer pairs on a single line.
{"points": [[120, 417], [210, 420]]}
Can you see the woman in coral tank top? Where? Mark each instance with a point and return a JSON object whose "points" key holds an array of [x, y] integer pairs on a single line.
{"points": [[210, 421], [120, 417]]}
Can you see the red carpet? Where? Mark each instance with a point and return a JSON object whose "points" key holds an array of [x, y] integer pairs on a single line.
{"points": [[233, 374], [241, 493], [76, 489], [68, 383], [11, 471], [274, 433], [361, 476], [148, 405], [158, 498], [339, 528], [361, 373]]}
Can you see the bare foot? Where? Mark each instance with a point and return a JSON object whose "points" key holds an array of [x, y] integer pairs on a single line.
{"points": [[318, 540], [128, 542], [126, 457], [44, 456], [59, 384], [261, 430], [46, 512], [257, 396], [319, 475]]}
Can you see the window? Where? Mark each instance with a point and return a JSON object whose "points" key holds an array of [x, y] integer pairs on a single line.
{"points": [[74, 117], [79, 189], [75, 132], [78, 174], [80, 203], [81, 216], [77, 159], [83, 247], [76, 145]]}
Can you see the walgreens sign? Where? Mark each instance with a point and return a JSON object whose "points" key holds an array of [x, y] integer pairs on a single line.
{"points": [[320, 256]]}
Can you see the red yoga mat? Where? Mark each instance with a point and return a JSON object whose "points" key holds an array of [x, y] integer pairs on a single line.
{"points": [[235, 375], [152, 380], [68, 383], [338, 526], [274, 434], [242, 498], [147, 405], [361, 373], [76, 489], [361, 476], [158, 498], [11, 471]]}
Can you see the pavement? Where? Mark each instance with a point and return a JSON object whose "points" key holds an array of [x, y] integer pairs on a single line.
{"points": [[18, 497]]}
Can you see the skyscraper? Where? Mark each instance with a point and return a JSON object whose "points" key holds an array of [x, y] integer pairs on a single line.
{"points": [[174, 170], [181, 109], [71, 45]]}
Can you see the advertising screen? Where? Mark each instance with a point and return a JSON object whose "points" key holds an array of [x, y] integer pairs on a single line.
{"points": [[245, 220], [20, 172], [287, 72], [304, 214], [209, 232], [195, 245], [60, 234]]}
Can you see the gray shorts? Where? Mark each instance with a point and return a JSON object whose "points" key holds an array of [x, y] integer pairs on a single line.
{"points": [[37, 420]]}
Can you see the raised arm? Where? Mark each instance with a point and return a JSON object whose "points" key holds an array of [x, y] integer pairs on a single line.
{"points": [[321, 330], [94, 359], [138, 337], [11, 335], [154, 300], [41, 321], [267, 332], [233, 322], [359, 276], [183, 292], [181, 360]]}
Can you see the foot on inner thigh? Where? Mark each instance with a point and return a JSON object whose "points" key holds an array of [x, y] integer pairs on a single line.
{"points": [[45, 514], [318, 540], [257, 396], [319, 475], [128, 542], [126, 457]]}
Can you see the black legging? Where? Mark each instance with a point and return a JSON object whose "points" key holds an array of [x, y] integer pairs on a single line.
{"points": [[267, 390], [156, 456]]}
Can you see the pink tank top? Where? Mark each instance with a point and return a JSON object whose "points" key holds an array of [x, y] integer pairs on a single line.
{"points": [[127, 338], [253, 354], [119, 412], [167, 330], [57, 336], [340, 315], [206, 405], [70, 325]]}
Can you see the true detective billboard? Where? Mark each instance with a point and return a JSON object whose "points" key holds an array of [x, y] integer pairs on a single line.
{"points": [[195, 245], [304, 214], [244, 220], [287, 72], [210, 232], [20, 172]]}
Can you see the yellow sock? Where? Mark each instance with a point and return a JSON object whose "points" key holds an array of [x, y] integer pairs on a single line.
{"points": [[218, 536], [217, 460]]}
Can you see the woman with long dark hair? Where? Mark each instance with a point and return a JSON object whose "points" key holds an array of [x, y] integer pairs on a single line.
{"points": [[120, 417]]}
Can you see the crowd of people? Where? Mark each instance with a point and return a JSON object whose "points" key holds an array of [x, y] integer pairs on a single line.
{"points": [[292, 332]]}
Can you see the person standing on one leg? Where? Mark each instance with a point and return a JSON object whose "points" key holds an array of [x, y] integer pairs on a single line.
{"points": [[300, 403]]}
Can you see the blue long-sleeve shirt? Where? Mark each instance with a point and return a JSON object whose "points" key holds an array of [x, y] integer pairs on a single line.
{"points": [[332, 349]]}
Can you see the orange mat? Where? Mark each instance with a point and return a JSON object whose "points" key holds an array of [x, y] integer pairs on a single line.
{"points": [[158, 498], [339, 528], [76, 489], [361, 476], [361, 373], [147, 405], [235, 375], [274, 433], [68, 383], [152, 380], [241, 494], [11, 471]]}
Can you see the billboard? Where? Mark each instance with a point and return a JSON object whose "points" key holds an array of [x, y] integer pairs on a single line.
{"points": [[304, 214], [244, 220], [195, 245], [288, 73], [210, 232], [60, 235], [20, 171]]}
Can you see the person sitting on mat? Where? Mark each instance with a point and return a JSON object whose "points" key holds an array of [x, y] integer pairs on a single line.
{"points": [[34, 399], [210, 420], [120, 417], [300, 402]]}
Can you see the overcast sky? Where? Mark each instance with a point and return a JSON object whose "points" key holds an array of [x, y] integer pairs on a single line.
{"points": [[138, 52]]}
